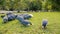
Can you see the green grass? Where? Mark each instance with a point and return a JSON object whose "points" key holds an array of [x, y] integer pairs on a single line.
{"points": [[14, 27]]}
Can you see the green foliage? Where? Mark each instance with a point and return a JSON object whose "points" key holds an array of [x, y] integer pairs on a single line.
{"points": [[56, 5], [30, 5], [35, 5]]}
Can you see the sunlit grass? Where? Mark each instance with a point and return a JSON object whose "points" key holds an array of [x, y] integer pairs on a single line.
{"points": [[15, 27]]}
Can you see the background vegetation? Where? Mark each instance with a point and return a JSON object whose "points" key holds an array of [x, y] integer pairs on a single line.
{"points": [[45, 5]]}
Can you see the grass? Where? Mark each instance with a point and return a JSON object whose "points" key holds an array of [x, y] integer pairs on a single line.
{"points": [[14, 27]]}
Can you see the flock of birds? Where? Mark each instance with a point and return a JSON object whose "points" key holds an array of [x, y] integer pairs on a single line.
{"points": [[22, 18]]}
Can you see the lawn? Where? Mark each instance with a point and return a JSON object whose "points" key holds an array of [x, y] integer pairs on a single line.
{"points": [[15, 27]]}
